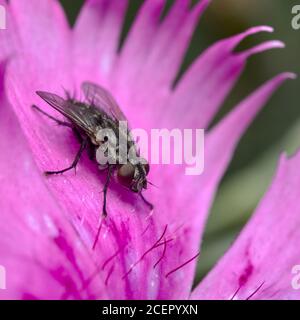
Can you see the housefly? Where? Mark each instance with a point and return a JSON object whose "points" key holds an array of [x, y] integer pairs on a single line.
{"points": [[99, 111]]}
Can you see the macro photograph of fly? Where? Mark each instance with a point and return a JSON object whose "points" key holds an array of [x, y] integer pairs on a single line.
{"points": [[149, 150], [99, 111]]}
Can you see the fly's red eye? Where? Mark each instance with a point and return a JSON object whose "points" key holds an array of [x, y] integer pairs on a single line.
{"points": [[126, 174]]}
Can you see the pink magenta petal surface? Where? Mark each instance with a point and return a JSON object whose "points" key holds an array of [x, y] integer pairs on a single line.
{"points": [[209, 80], [259, 265], [139, 254], [219, 147], [96, 38], [150, 59], [43, 255]]}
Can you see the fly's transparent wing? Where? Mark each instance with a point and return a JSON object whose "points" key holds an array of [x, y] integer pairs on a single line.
{"points": [[85, 118], [102, 99]]}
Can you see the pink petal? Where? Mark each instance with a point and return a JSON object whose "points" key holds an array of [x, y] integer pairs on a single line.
{"points": [[8, 36], [41, 63], [43, 33], [43, 256], [41, 60], [165, 57], [96, 39], [189, 212], [138, 255], [122, 250], [138, 43], [259, 265], [80, 195], [209, 80], [150, 59], [226, 134]]}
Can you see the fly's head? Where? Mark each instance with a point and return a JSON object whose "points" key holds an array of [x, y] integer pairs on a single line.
{"points": [[134, 176]]}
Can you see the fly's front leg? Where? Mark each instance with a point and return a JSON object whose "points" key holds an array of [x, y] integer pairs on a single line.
{"points": [[91, 151], [75, 162], [108, 177], [61, 123], [149, 204]]}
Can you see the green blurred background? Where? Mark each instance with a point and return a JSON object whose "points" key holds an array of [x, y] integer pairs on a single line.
{"points": [[277, 128]]}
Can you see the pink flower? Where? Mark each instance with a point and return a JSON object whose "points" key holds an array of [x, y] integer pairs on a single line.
{"points": [[48, 225]]}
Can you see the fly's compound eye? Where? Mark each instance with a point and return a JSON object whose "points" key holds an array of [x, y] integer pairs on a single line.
{"points": [[126, 174]]}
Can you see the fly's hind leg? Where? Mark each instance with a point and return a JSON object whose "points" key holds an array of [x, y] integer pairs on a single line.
{"points": [[91, 151], [60, 122], [108, 177], [75, 162], [104, 212]]}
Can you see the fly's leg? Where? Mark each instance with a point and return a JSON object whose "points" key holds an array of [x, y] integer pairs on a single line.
{"points": [[78, 135], [75, 162], [61, 123], [90, 148], [149, 204], [91, 151], [104, 212], [108, 177]]}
